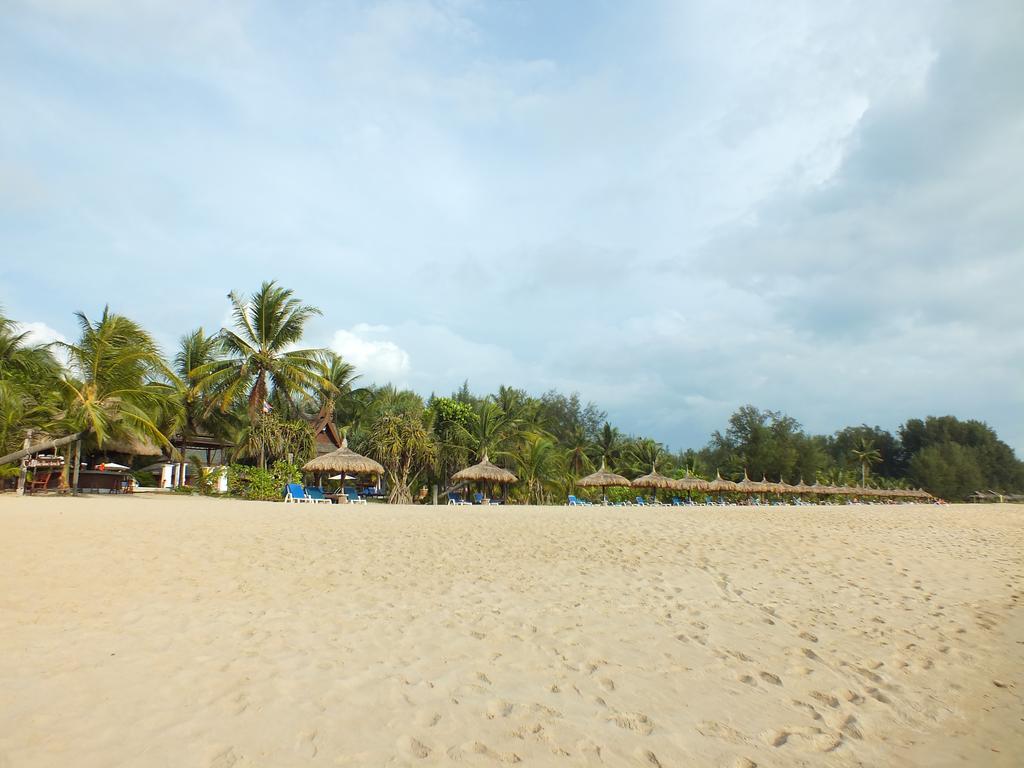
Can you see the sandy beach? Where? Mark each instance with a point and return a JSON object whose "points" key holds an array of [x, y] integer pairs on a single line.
{"points": [[166, 631]]}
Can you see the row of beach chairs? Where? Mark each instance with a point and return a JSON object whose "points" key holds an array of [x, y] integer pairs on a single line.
{"points": [[295, 493], [478, 498]]}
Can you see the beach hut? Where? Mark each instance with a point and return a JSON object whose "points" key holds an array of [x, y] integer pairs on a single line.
{"points": [[485, 472], [603, 479], [343, 461], [655, 481]]}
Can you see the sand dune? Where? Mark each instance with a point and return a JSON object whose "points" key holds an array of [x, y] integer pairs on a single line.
{"points": [[187, 632]]}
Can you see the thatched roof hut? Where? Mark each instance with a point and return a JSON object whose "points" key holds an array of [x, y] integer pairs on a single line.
{"points": [[603, 478], [343, 460], [653, 480], [132, 445], [721, 485], [484, 472]]}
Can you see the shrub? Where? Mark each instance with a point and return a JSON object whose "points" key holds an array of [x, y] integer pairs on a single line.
{"points": [[262, 484]]}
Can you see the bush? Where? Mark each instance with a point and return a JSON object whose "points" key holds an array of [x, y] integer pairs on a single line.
{"points": [[262, 484]]}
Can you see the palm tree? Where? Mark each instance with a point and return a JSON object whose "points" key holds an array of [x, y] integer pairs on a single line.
{"points": [[608, 446], [538, 465], [866, 454], [28, 384], [117, 385], [258, 358], [197, 412], [490, 429], [335, 394], [576, 449]]}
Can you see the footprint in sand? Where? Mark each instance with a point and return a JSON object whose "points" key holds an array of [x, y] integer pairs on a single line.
{"points": [[646, 757], [634, 721], [479, 748], [498, 708], [413, 747], [426, 719], [225, 758], [768, 677], [306, 744], [825, 698]]}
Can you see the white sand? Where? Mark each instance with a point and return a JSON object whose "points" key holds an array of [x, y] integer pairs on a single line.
{"points": [[186, 632]]}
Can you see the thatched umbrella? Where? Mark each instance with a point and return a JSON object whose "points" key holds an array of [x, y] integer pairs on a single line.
{"points": [[484, 472], [720, 485], [345, 461], [654, 481], [603, 479], [689, 484], [746, 485]]}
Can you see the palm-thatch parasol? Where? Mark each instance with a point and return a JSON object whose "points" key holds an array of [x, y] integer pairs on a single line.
{"points": [[721, 485], [484, 472], [603, 479], [746, 485], [690, 484], [782, 487], [654, 481], [344, 460]]}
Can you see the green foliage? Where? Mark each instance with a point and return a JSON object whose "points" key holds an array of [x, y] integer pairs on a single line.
{"points": [[262, 484], [405, 447], [258, 355]]}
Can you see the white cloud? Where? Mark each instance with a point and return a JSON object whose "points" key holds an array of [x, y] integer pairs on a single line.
{"points": [[378, 360], [40, 333]]}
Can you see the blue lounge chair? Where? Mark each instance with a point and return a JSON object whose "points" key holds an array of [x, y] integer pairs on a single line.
{"points": [[316, 495], [456, 498], [293, 493], [677, 502], [353, 496], [574, 502], [640, 501]]}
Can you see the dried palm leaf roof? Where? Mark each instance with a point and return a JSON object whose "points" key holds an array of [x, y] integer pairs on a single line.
{"points": [[719, 484], [690, 483], [746, 485], [133, 445], [484, 472], [344, 459], [603, 478], [653, 480]]}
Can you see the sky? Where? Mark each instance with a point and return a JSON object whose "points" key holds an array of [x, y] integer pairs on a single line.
{"points": [[673, 208]]}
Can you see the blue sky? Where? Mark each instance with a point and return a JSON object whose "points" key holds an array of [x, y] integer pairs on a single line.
{"points": [[672, 208]]}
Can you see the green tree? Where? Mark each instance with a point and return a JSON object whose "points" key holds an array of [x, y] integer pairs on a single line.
{"points": [[258, 355], [404, 446], [117, 384], [867, 455], [539, 467], [29, 377]]}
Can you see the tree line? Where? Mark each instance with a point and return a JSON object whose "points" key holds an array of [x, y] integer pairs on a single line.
{"points": [[255, 387]]}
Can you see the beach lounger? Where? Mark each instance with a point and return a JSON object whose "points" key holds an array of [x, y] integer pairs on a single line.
{"points": [[574, 502], [456, 498], [640, 501], [293, 493], [677, 502], [353, 496], [316, 495]]}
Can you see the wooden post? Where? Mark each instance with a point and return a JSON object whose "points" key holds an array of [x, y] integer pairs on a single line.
{"points": [[23, 472], [435, 494], [78, 463]]}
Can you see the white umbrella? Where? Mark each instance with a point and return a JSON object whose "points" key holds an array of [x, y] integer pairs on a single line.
{"points": [[339, 477], [111, 465]]}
